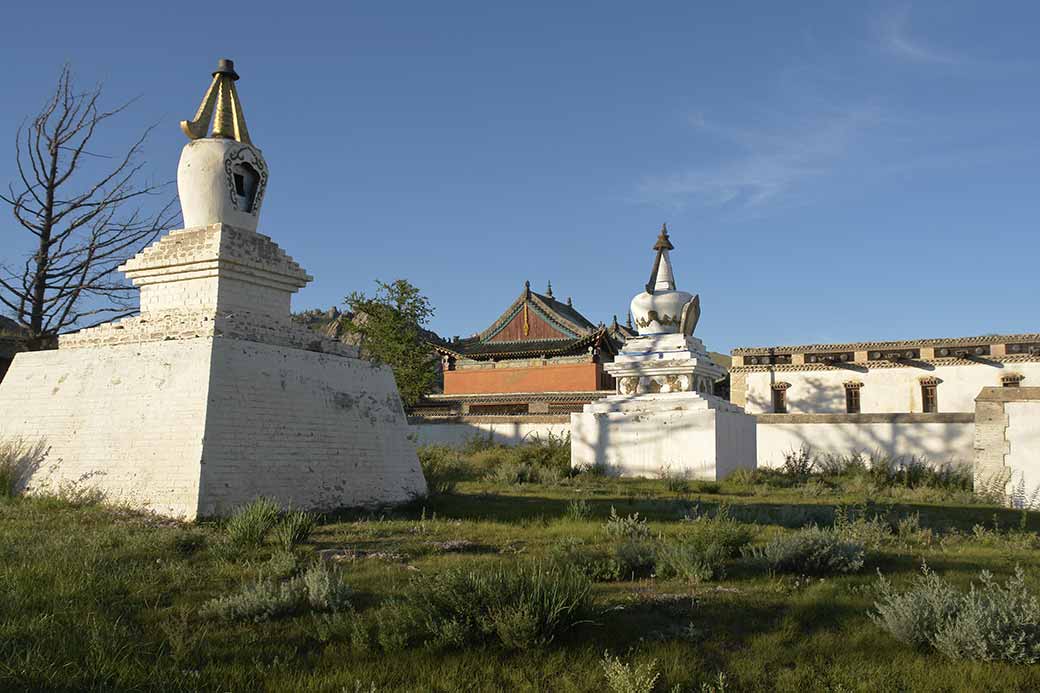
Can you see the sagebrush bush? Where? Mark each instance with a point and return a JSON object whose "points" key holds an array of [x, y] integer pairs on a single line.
{"points": [[854, 525], [990, 622], [294, 528], [634, 558], [248, 526], [18, 460], [692, 561], [623, 677], [914, 616], [579, 509], [517, 606], [700, 552], [812, 551], [630, 527], [594, 562], [319, 588]]}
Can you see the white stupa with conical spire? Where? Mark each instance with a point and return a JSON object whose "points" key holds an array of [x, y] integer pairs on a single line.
{"points": [[213, 396], [664, 417]]}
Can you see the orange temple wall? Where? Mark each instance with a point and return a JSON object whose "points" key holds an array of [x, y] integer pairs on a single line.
{"points": [[571, 377]]}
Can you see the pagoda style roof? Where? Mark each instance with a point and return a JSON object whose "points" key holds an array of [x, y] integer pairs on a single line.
{"points": [[533, 325]]}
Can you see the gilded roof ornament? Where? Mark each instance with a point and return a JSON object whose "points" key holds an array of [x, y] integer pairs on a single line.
{"points": [[222, 105]]}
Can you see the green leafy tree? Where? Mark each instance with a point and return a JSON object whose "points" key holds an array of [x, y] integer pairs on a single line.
{"points": [[389, 330]]}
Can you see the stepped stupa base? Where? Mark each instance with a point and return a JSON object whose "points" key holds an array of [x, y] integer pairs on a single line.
{"points": [[195, 427], [688, 434]]}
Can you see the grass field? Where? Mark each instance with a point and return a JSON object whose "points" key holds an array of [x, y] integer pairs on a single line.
{"points": [[98, 598]]}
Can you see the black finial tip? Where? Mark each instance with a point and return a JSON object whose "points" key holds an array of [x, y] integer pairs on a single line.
{"points": [[226, 66]]}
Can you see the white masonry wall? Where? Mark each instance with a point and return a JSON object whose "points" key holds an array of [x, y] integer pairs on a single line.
{"points": [[885, 390], [312, 430], [935, 442], [1023, 437], [502, 431], [126, 420]]}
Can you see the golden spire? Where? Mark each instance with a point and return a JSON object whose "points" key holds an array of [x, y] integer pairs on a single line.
{"points": [[229, 121]]}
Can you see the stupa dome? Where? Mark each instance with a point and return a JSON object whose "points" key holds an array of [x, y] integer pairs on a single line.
{"points": [[661, 308], [221, 177]]}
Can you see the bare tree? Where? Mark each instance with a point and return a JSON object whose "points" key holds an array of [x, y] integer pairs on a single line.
{"points": [[84, 209]]}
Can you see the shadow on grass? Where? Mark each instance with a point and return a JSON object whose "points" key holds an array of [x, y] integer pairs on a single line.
{"points": [[504, 507]]}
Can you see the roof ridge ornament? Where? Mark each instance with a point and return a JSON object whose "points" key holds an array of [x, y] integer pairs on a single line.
{"points": [[221, 105]]}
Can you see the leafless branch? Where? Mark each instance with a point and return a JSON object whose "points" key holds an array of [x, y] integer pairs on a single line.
{"points": [[83, 229]]}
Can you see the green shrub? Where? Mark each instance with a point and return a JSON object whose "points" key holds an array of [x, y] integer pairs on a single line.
{"points": [[579, 509], [720, 528], [518, 606], [853, 525], [443, 468], [479, 442], [990, 622], [630, 527], [798, 463], [700, 552], [629, 678], [674, 480], [249, 525], [319, 588], [812, 551], [294, 528], [634, 558], [547, 452], [593, 562]]}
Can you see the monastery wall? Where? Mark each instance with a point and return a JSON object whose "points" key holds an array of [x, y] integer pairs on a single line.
{"points": [[885, 390], [504, 430], [1007, 438], [936, 438]]}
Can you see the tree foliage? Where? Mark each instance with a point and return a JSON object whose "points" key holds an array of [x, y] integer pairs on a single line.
{"points": [[388, 326], [83, 209]]}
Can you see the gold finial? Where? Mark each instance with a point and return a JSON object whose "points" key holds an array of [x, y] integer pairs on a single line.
{"points": [[229, 121]]}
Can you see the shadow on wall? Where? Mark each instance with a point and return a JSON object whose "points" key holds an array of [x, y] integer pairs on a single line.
{"points": [[599, 443], [815, 396], [507, 432], [19, 461], [935, 442]]}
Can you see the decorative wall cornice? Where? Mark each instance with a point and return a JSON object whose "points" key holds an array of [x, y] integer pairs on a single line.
{"points": [[867, 346], [863, 366]]}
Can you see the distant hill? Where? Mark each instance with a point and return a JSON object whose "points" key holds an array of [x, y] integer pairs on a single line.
{"points": [[722, 359]]}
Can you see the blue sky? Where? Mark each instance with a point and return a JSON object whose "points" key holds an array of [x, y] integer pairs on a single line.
{"points": [[829, 171]]}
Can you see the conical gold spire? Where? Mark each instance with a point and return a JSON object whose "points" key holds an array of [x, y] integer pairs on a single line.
{"points": [[229, 122]]}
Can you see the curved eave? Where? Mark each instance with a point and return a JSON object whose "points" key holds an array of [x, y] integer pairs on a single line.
{"points": [[581, 343]]}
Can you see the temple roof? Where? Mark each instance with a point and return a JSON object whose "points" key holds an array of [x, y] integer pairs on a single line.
{"points": [[533, 325]]}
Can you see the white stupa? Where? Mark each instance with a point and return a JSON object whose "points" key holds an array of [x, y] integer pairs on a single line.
{"points": [[212, 396], [664, 417]]}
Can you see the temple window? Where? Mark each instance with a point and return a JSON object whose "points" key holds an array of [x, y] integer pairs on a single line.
{"points": [[852, 402], [780, 397], [930, 396], [1012, 379]]}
